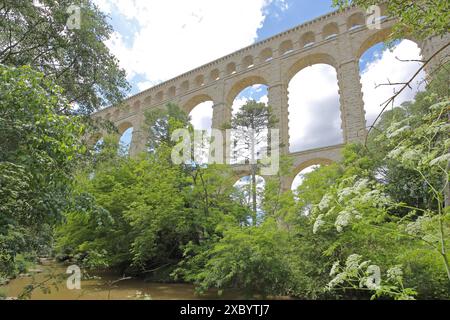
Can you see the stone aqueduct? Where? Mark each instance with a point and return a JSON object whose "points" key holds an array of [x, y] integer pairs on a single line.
{"points": [[338, 39]]}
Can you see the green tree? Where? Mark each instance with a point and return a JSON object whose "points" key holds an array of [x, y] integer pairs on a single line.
{"points": [[251, 126], [77, 59], [38, 152]]}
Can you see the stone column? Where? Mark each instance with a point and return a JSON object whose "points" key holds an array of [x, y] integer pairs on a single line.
{"points": [[351, 100], [221, 117], [430, 47], [138, 140], [278, 100]]}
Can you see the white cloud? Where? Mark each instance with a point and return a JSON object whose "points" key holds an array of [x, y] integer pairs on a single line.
{"points": [[314, 108], [314, 112], [387, 68], [176, 36], [201, 116]]}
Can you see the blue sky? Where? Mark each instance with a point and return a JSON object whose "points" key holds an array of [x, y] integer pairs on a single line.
{"points": [[279, 15]]}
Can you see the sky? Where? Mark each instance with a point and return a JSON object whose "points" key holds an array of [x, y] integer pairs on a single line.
{"points": [[156, 40]]}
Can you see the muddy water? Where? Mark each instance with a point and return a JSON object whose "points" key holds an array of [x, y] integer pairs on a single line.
{"points": [[102, 287]]}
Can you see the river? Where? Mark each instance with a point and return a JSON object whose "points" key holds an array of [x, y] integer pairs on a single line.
{"points": [[102, 287]]}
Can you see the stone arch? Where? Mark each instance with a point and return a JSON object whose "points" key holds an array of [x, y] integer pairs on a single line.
{"points": [[171, 92], [214, 75], [137, 106], [318, 58], [286, 47], [199, 81], [124, 126], [231, 68], [307, 39], [266, 55], [331, 30], [356, 20], [148, 101], [306, 164], [376, 37], [185, 86], [159, 96], [94, 138], [241, 85], [247, 62], [195, 101]]}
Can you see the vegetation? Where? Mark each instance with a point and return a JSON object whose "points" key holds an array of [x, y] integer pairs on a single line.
{"points": [[375, 225], [74, 56]]}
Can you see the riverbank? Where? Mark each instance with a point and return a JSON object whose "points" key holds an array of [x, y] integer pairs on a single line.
{"points": [[49, 280]]}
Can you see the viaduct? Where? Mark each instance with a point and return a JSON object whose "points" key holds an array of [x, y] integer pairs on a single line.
{"points": [[338, 39]]}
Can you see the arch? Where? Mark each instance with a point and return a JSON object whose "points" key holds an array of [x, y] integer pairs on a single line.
{"points": [[307, 164], [241, 85], [331, 30], [214, 75], [195, 101], [171, 92], [185, 86], [286, 47], [314, 108], [373, 65], [318, 58], [231, 68], [116, 114], [148, 101], [356, 20], [124, 126], [93, 139], [266, 55], [137, 106], [308, 39], [247, 62], [379, 36], [199, 80], [159, 96], [244, 195]]}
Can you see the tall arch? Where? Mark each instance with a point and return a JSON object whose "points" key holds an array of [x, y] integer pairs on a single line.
{"points": [[318, 58], [195, 101], [376, 37], [240, 85], [125, 130], [314, 104], [379, 65]]}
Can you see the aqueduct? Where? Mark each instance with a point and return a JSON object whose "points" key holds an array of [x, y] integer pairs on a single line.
{"points": [[337, 39]]}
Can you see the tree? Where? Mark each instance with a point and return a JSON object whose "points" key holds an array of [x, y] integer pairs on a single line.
{"points": [[419, 18], [251, 127], [37, 33], [38, 152]]}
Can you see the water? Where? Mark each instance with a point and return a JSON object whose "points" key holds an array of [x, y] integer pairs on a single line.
{"points": [[54, 278]]}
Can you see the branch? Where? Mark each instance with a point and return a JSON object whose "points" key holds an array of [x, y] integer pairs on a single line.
{"points": [[405, 85]]}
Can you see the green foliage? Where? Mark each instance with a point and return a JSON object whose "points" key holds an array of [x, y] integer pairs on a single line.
{"points": [[357, 274], [251, 258], [140, 213], [39, 147], [76, 59], [419, 18]]}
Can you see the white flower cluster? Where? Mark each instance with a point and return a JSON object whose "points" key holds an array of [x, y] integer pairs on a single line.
{"points": [[325, 202], [395, 273], [318, 223], [344, 218]]}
